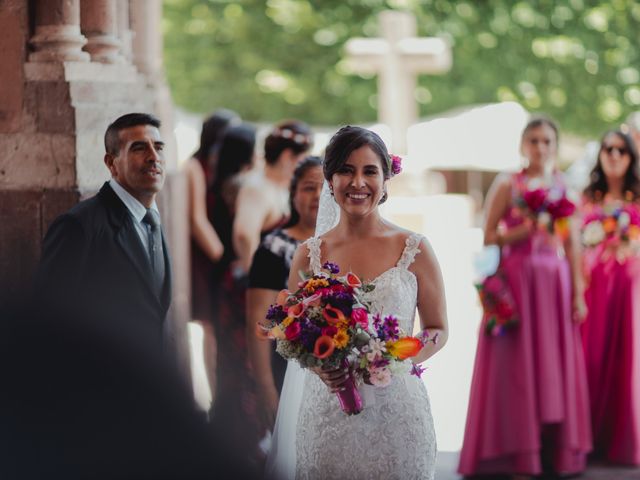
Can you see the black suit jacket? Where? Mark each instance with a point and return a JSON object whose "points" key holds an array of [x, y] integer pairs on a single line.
{"points": [[95, 270]]}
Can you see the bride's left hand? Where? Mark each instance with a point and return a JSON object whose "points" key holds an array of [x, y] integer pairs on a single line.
{"points": [[333, 378]]}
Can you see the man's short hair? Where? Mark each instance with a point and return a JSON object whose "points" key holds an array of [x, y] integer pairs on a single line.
{"points": [[112, 135]]}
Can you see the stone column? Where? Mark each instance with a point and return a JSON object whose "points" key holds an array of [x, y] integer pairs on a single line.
{"points": [[146, 16], [98, 20], [57, 36], [125, 34]]}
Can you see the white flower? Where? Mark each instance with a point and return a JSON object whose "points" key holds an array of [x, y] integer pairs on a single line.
{"points": [[544, 219], [624, 219], [380, 377], [376, 347], [593, 234]]}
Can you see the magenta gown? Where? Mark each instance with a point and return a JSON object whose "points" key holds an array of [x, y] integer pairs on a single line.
{"points": [[611, 337], [529, 384]]}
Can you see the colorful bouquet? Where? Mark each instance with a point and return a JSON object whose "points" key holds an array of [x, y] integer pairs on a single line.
{"points": [[549, 206], [498, 304], [610, 224], [327, 323]]}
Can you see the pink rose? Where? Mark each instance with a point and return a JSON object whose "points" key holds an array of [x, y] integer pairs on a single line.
{"points": [[562, 208], [535, 199], [292, 332], [329, 331], [359, 316]]}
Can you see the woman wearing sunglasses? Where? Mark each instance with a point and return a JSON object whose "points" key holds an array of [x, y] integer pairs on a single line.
{"points": [[611, 333]]}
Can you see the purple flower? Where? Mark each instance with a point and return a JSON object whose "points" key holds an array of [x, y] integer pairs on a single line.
{"points": [[331, 267], [417, 370], [396, 164], [342, 301], [388, 329], [309, 334], [276, 313]]}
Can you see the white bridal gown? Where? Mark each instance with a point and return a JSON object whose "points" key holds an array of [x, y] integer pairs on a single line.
{"points": [[392, 438]]}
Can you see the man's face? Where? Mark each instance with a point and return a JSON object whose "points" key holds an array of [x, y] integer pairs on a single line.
{"points": [[139, 165]]}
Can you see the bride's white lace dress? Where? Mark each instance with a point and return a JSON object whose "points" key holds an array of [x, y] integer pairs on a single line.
{"points": [[393, 437]]}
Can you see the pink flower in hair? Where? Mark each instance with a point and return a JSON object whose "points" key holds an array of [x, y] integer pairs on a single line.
{"points": [[396, 164]]}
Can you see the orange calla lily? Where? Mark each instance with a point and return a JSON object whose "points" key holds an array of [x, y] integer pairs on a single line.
{"points": [[333, 316], [295, 310], [323, 347], [353, 280], [404, 348], [281, 299]]}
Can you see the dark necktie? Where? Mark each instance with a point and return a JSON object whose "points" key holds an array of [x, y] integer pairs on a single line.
{"points": [[154, 236]]}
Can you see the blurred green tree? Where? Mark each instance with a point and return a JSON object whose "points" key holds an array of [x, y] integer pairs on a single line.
{"points": [[576, 60]]}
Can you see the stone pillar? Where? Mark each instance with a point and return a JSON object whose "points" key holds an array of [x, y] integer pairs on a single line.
{"points": [[98, 20], [125, 34], [57, 35], [146, 15]]}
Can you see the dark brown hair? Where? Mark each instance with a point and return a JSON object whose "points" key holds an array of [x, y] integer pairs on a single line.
{"points": [[598, 187], [289, 134], [351, 138], [538, 121], [112, 135]]}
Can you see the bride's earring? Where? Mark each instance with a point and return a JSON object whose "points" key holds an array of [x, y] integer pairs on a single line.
{"points": [[331, 189]]}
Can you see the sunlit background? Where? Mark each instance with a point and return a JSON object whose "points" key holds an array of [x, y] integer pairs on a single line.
{"points": [[575, 60]]}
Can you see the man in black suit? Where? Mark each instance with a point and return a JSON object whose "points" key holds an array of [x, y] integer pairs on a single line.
{"points": [[105, 262], [89, 392]]}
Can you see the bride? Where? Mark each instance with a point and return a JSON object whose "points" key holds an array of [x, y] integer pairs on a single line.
{"points": [[393, 437]]}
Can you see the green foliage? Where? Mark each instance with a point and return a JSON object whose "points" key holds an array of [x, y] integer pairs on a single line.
{"points": [[576, 60]]}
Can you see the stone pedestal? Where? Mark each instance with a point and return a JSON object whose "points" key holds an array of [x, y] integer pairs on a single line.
{"points": [[57, 35], [99, 25]]}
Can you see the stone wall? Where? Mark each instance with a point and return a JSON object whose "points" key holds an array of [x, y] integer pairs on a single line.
{"points": [[71, 67]]}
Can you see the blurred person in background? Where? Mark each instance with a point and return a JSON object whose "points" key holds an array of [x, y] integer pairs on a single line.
{"points": [[529, 407], [233, 415], [268, 276], [611, 332], [206, 247], [263, 199]]}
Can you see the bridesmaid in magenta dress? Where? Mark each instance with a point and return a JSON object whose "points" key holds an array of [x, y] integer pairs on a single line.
{"points": [[528, 408], [611, 334]]}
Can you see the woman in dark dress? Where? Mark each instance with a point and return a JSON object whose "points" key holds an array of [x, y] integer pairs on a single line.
{"points": [[206, 247], [268, 275], [233, 416]]}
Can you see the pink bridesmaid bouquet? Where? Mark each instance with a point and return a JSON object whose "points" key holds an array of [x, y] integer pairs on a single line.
{"points": [[500, 311], [327, 323]]}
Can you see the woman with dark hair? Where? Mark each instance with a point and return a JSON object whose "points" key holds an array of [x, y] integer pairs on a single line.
{"points": [[611, 333], [268, 276], [529, 407], [263, 200], [206, 247], [233, 417], [393, 436]]}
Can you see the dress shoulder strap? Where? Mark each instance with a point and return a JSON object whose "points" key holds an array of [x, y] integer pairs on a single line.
{"points": [[411, 249], [313, 245]]}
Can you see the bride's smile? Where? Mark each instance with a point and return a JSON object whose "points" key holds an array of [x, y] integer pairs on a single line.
{"points": [[359, 183]]}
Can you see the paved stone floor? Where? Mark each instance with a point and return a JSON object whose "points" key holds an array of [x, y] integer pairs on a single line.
{"points": [[448, 461]]}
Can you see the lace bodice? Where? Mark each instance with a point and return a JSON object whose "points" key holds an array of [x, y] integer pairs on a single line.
{"points": [[393, 437], [396, 289]]}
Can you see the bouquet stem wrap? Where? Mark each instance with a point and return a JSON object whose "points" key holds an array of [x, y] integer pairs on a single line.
{"points": [[350, 398]]}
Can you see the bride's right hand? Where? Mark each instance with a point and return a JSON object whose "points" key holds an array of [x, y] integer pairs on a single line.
{"points": [[333, 378]]}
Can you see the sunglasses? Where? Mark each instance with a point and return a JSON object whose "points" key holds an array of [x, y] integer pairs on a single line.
{"points": [[621, 150]]}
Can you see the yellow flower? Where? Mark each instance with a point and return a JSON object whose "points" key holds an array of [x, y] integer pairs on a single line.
{"points": [[286, 322], [341, 339], [314, 283]]}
